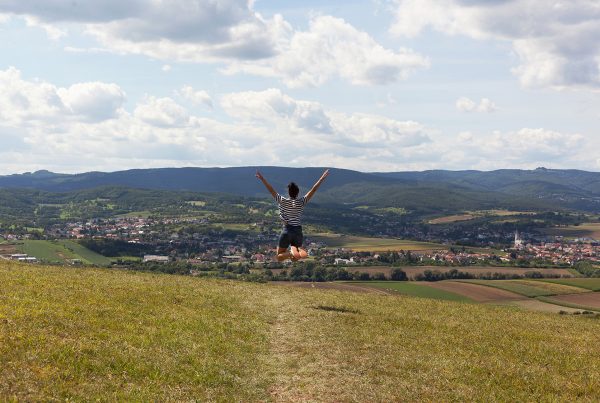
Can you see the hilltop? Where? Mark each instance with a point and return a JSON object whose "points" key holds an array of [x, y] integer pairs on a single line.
{"points": [[86, 334]]}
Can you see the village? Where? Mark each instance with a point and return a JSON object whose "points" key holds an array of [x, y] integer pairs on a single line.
{"points": [[197, 241]]}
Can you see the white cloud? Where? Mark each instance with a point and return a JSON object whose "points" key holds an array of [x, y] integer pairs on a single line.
{"points": [[52, 31], [232, 33], [67, 129], [329, 48], [527, 147], [22, 102], [311, 119], [162, 112], [198, 97], [93, 100], [166, 68], [184, 30], [465, 104], [556, 42]]}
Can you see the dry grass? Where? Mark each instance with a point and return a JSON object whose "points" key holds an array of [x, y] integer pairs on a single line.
{"points": [[367, 244], [589, 230], [71, 334], [452, 218]]}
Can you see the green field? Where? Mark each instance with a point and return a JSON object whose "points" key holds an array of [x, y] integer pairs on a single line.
{"points": [[100, 334], [415, 290], [513, 286], [592, 284], [135, 214], [528, 288], [62, 251]]}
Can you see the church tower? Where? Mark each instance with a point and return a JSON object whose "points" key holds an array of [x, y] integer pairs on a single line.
{"points": [[518, 240]]}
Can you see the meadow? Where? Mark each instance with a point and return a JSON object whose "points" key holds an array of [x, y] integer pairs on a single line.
{"points": [[592, 284], [62, 252], [101, 334]]}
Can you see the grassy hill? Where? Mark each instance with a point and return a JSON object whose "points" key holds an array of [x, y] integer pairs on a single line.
{"points": [[87, 334]]}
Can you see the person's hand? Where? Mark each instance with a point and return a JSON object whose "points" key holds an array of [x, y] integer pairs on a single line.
{"points": [[259, 175]]}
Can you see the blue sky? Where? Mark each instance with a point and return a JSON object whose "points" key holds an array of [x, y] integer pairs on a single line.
{"points": [[367, 85]]}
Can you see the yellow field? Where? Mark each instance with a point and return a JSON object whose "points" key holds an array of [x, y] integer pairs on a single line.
{"points": [[366, 244], [452, 218], [588, 230], [470, 215], [108, 335]]}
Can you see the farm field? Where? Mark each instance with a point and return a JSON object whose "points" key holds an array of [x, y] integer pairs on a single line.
{"points": [[475, 292], [61, 251], [470, 215], [528, 288], [452, 218], [360, 244], [590, 300], [587, 230], [8, 248], [416, 290], [142, 336], [592, 284]]}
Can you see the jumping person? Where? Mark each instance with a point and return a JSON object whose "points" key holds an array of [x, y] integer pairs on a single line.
{"points": [[290, 212]]}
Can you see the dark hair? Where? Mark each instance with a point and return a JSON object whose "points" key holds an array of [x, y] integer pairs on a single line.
{"points": [[293, 190]]}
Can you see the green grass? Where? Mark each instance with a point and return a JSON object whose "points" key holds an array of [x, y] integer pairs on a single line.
{"points": [[416, 290], [587, 283], [72, 334], [62, 251], [134, 214], [85, 254], [100, 334], [514, 286]]}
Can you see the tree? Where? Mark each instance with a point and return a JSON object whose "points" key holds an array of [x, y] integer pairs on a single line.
{"points": [[399, 275]]}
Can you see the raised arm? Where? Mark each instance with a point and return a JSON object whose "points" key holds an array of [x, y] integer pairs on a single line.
{"points": [[312, 191], [267, 185]]}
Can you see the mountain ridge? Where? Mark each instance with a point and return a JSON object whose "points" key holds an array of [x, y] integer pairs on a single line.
{"points": [[507, 188]]}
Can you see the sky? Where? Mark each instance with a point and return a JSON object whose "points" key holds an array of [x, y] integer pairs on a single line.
{"points": [[371, 85]]}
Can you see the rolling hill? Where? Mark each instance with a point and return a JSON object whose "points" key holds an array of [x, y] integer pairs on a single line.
{"points": [[440, 191]]}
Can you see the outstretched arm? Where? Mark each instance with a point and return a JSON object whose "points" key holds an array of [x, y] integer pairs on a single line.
{"points": [[312, 191], [267, 185]]}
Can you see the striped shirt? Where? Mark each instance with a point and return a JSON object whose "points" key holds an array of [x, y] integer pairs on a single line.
{"points": [[290, 210]]}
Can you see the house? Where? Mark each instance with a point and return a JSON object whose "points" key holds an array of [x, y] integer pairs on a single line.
{"points": [[344, 261], [259, 257], [156, 258]]}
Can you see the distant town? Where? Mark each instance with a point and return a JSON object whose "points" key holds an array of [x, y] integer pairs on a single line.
{"points": [[195, 241]]}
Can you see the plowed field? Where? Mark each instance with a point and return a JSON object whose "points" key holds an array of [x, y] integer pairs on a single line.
{"points": [[590, 299], [476, 292]]}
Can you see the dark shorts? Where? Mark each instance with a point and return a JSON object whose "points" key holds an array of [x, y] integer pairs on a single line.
{"points": [[291, 235]]}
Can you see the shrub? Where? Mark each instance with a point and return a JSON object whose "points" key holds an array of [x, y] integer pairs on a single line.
{"points": [[398, 275]]}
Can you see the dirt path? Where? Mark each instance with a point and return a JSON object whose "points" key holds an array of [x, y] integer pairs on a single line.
{"points": [[476, 292]]}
